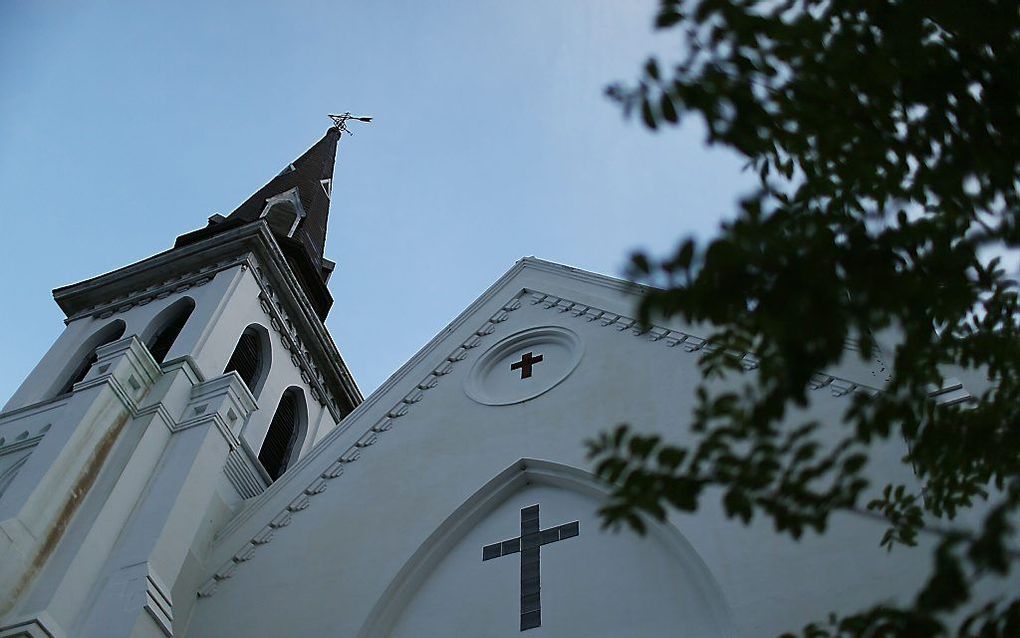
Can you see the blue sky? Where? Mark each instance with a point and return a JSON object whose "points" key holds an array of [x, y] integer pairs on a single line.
{"points": [[125, 124]]}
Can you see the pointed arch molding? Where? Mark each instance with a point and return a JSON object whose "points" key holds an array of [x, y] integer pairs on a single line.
{"points": [[416, 570]]}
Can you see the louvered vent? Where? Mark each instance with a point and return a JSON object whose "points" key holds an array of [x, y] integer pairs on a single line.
{"points": [[276, 449], [246, 359]]}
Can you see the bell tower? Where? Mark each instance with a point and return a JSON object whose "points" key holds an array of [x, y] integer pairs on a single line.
{"points": [[181, 386]]}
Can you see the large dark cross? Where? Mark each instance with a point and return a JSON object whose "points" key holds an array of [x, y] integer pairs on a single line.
{"points": [[528, 544], [524, 365]]}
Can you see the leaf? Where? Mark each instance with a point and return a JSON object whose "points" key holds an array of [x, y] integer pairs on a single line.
{"points": [[641, 447], [652, 69], [737, 504], [682, 260], [666, 108], [667, 18], [670, 457], [883, 140], [647, 116], [639, 262]]}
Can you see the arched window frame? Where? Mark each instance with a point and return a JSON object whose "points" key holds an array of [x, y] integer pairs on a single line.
{"points": [[79, 364], [286, 203], [298, 433], [265, 356], [179, 311]]}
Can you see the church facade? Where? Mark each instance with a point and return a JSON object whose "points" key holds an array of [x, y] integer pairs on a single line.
{"points": [[193, 458]]}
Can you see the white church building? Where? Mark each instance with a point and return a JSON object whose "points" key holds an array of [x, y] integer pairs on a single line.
{"points": [[193, 458]]}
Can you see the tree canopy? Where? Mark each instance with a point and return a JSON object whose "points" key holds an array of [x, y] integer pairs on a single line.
{"points": [[886, 139]]}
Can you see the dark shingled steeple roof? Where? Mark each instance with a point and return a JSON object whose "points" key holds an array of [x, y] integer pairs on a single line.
{"points": [[310, 178], [312, 175]]}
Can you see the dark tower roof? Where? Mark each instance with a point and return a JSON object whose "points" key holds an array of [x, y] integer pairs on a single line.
{"points": [[297, 203], [312, 175]]}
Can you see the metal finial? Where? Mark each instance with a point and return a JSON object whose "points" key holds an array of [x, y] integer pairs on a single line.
{"points": [[340, 121]]}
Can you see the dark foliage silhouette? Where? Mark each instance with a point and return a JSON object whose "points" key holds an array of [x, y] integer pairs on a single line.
{"points": [[886, 136]]}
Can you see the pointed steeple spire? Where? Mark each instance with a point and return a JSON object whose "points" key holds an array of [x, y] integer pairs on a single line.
{"points": [[301, 191], [295, 204]]}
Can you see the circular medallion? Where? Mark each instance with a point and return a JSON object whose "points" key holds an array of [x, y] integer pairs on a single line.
{"points": [[524, 365]]}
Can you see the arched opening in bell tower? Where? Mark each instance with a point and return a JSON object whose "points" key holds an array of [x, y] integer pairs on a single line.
{"points": [[86, 356], [286, 433], [167, 326], [251, 358]]}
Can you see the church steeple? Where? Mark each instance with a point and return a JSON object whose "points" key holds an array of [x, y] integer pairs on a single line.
{"points": [[203, 373], [295, 204]]}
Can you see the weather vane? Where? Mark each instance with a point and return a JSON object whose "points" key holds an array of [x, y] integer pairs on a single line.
{"points": [[340, 121]]}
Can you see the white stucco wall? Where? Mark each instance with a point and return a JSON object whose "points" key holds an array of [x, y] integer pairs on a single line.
{"points": [[336, 562]]}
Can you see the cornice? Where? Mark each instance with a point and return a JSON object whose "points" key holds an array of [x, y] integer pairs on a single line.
{"points": [[585, 276], [124, 282], [686, 341], [33, 408], [300, 355], [22, 441], [160, 290], [282, 297]]}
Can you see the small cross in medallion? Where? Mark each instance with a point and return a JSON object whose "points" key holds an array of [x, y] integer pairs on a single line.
{"points": [[525, 364]]}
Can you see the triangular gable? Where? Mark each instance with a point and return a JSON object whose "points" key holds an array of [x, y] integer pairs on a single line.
{"points": [[337, 529], [583, 296]]}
